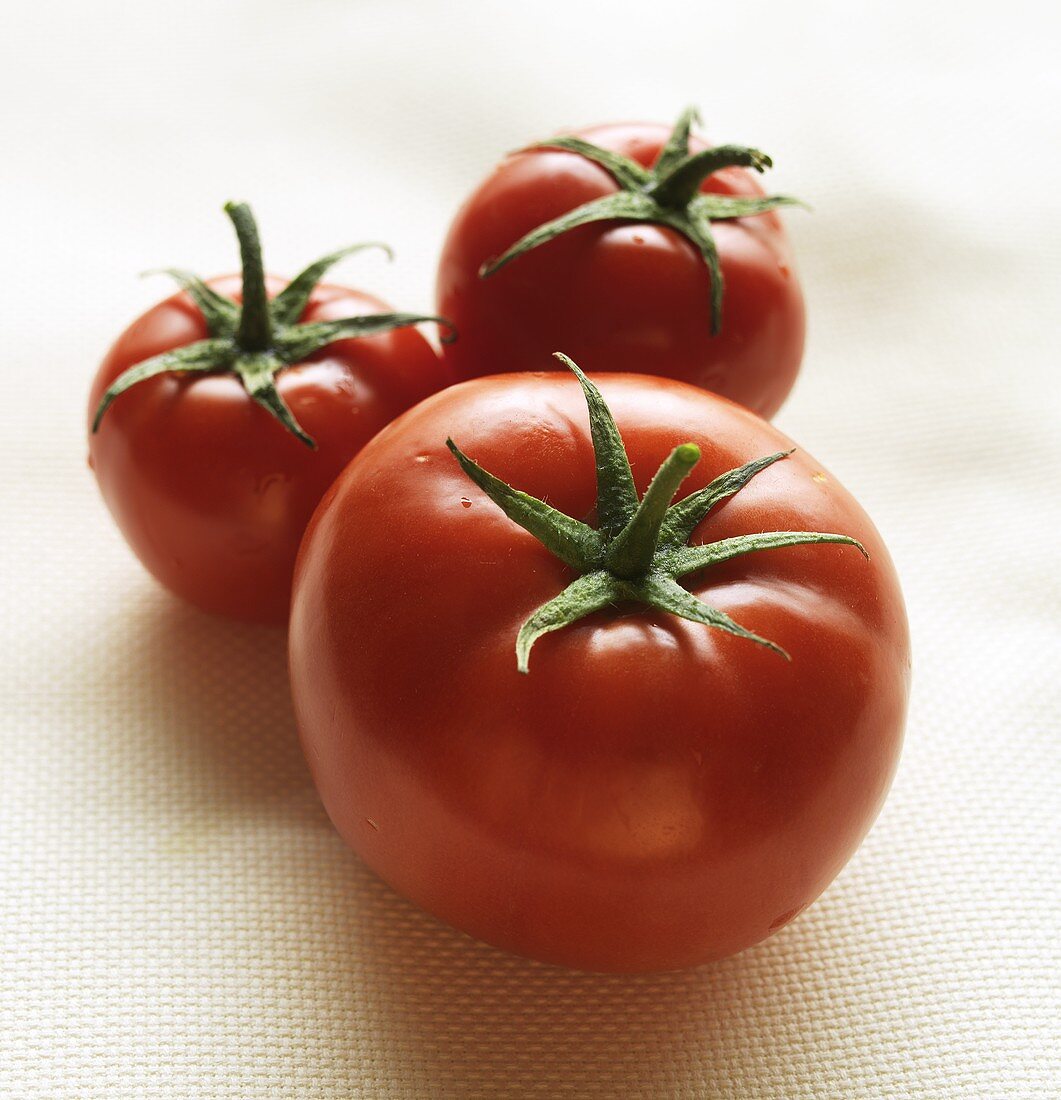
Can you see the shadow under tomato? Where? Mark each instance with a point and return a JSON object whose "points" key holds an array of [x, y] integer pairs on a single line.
{"points": [[207, 704], [206, 699], [473, 1021]]}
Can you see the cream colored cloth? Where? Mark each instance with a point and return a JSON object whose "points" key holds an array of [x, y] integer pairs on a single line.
{"points": [[178, 917]]}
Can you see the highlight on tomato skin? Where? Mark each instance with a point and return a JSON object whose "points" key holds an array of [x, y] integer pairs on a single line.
{"points": [[623, 697], [221, 415], [633, 247]]}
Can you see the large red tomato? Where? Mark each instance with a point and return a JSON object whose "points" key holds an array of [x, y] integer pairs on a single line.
{"points": [[218, 427], [632, 251], [703, 734]]}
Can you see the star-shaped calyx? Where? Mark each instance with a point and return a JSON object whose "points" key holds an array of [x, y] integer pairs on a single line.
{"points": [[640, 548], [257, 339], [667, 194]]}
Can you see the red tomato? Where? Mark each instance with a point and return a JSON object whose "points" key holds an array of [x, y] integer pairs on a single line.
{"points": [[622, 295], [211, 489], [654, 793]]}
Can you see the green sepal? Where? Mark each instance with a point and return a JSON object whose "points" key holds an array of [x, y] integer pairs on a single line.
{"points": [[627, 173], [221, 314], [287, 307], [697, 229], [299, 341], [667, 194], [258, 372], [677, 147], [259, 337], [684, 517], [573, 542], [689, 559], [720, 208], [681, 185], [666, 594], [580, 598], [616, 493], [204, 357], [639, 550], [620, 206]]}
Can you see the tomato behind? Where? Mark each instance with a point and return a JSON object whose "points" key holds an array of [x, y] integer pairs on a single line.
{"points": [[209, 490], [619, 296]]}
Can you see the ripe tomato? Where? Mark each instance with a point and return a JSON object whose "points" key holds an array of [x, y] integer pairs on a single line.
{"points": [[632, 292], [657, 790], [213, 461]]}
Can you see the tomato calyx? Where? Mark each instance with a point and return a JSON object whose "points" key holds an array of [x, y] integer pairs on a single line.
{"points": [[666, 194], [257, 339], [640, 548]]}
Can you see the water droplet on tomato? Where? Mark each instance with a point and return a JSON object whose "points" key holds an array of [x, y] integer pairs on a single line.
{"points": [[786, 916], [465, 502], [270, 483], [422, 458]]}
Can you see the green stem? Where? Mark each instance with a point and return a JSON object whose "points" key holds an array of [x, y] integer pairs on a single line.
{"points": [[255, 332], [669, 193], [630, 554], [642, 552], [264, 336], [676, 190]]}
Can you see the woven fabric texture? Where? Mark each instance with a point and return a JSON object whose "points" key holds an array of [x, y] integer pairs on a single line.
{"points": [[177, 917]]}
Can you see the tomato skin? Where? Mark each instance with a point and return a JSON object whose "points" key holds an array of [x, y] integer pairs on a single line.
{"points": [[619, 297], [209, 490], [654, 794]]}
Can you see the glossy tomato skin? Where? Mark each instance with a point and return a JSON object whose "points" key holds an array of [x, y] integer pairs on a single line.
{"points": [[614, 296], [653, 794], [209, 490]]}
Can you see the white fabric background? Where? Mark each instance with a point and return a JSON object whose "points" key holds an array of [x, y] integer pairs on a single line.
{"points": [[178, 918]]}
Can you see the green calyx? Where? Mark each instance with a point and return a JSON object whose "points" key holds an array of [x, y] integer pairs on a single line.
{"points": [[666, 194], [257, 339], [640, 548]]}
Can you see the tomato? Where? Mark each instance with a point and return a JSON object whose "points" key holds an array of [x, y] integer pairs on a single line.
{"points": [[213, 462], [679, 766], [628, 293]]}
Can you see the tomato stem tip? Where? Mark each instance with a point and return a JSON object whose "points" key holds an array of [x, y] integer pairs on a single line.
{"points": [[641, 546]]}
